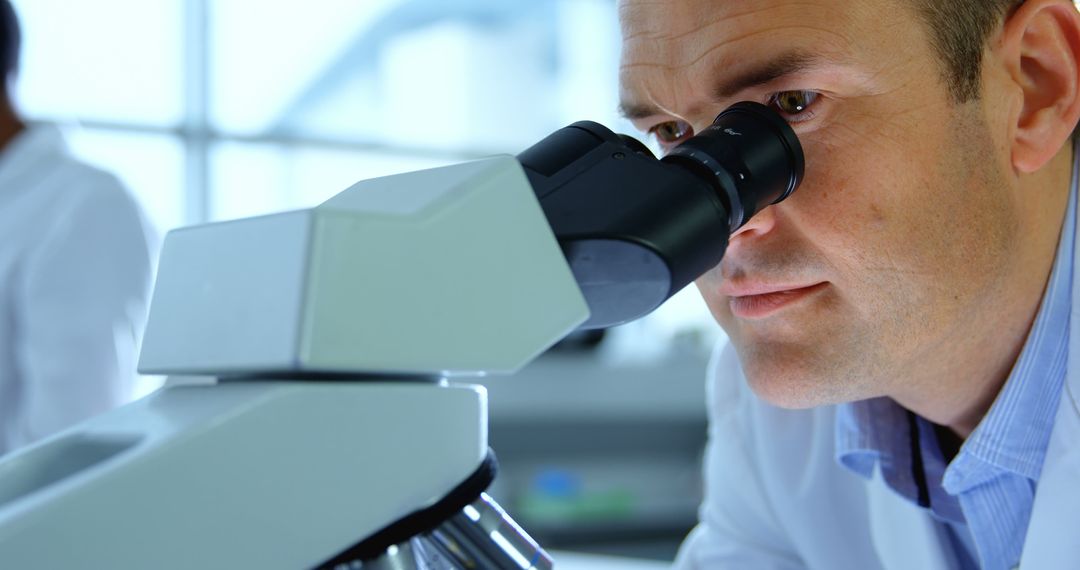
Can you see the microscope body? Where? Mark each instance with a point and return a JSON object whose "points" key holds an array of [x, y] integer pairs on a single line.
{"points": [[336, 431], [337, 340]]}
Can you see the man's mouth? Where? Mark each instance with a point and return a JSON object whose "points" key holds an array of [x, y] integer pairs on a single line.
{"points": [[761, 301]]}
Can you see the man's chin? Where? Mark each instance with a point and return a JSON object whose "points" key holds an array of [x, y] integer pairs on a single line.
{"points": [[795, 386], [784, 395]]}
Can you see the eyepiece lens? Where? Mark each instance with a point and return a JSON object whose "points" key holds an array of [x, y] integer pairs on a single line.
{"points": [[750, 155]]}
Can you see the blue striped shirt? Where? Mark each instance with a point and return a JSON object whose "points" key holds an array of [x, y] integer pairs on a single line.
{"points": [[983, 498]]}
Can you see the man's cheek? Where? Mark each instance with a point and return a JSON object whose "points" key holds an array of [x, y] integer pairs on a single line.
{"points": [[831, 175], [708, 286], [850, 198], [710, 280]]}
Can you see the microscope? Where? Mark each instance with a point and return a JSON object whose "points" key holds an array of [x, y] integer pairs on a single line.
{"points": [[318, 412]]}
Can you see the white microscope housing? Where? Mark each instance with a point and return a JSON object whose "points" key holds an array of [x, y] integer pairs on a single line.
{"points": [[335, 336]]}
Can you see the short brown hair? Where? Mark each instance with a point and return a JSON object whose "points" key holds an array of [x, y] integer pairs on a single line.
{"points": [[959, 30]]}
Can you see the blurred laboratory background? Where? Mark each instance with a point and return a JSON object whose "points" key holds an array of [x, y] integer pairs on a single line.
{"points": [[218, 109]]}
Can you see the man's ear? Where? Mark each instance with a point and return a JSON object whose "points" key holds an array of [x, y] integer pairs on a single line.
{"points": [[1040, 47]]}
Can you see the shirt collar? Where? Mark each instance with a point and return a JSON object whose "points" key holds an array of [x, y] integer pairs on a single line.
{"points": [[874, 433]]}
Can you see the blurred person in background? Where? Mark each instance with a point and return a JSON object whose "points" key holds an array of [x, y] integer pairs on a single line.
{"points": [[75, 273]]}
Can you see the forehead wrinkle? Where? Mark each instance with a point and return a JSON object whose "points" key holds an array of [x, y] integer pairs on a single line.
{"points": [[774, 31], [718, 18], [827, 50], [648, 99], [666, 92], [649, 26], [661, 34]]}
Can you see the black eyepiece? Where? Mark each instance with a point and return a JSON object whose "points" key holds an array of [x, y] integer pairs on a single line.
{"points": [[749, 154], [635, 230]]}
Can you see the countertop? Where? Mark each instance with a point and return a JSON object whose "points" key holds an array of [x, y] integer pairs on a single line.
{"points": [[575, 561]]}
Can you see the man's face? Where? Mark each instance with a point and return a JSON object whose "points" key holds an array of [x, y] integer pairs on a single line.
{"points": [[892, 251]]}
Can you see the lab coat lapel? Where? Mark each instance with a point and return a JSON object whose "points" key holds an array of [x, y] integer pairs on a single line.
{"points": [[904, 535], [1053, 540]]}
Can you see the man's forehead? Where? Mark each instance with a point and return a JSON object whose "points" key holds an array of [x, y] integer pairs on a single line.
{"points": [[683, 31], [739, 42], [683, 16], [657, 17]]}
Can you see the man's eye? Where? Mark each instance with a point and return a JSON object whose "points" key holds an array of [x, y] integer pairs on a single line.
{"points": [[672, 132], [795, 105]]}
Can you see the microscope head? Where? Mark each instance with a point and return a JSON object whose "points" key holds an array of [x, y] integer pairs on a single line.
{"points": [[466, 269], [442, 272]]}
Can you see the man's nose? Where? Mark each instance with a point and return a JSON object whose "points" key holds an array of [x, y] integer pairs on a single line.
{"points": [[761, 224]]}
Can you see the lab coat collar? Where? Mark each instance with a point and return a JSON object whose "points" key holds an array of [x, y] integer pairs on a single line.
{"points": [[904, 535], [1051, 539], [36, 144]]}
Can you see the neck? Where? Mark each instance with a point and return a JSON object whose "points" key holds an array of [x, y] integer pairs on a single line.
{"points": [[10, 123], [960, 386]]}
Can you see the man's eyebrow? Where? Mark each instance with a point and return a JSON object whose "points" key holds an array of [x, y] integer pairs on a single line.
{"points": [[795, 61], [787, 63], [635, 111]]}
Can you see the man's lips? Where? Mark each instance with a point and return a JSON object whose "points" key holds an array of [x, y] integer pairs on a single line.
{"points": [[757, 301]]}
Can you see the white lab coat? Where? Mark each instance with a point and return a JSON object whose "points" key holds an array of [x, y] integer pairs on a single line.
{"points": [[75, 271], [775, 498]]}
